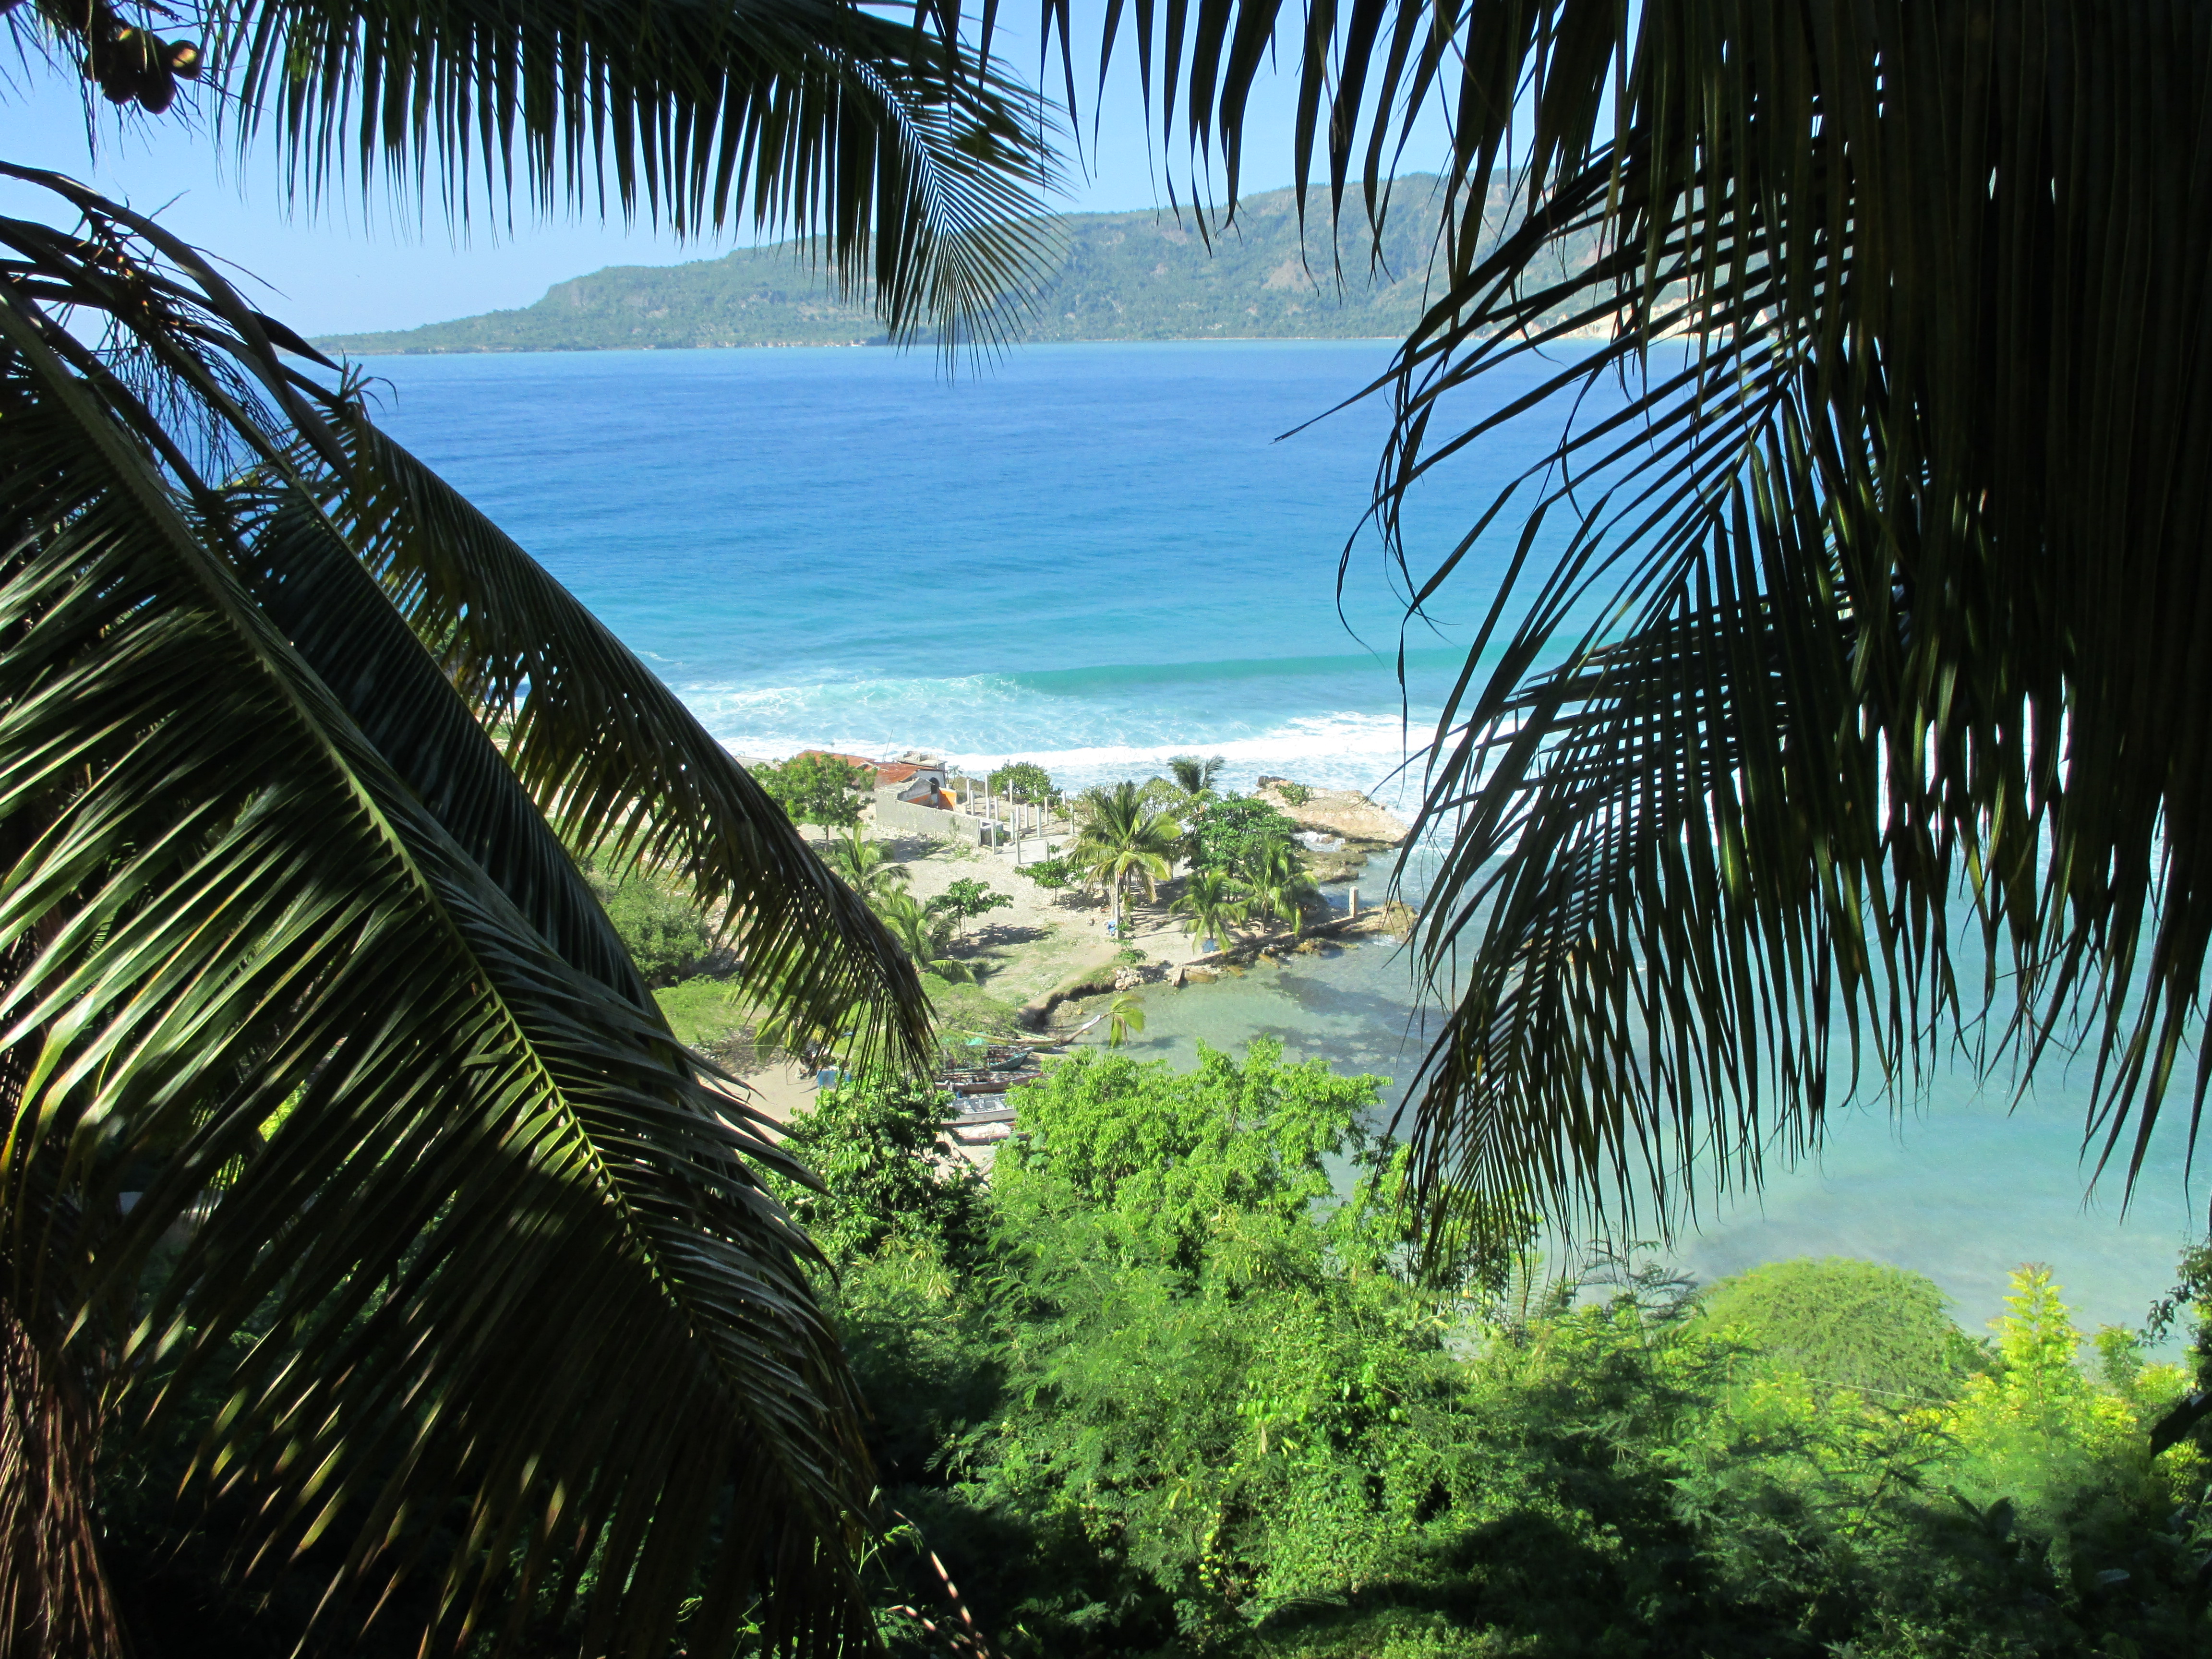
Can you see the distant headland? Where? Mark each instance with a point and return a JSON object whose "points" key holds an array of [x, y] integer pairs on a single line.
{"points": [[1142, 275]]}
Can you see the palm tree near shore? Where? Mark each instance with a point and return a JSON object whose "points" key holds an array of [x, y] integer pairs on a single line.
{"points": [[301, 755], [1194, 776], [1862, 614], [1280, 884], [1213, 903], [865, 865], [1123, 837]]}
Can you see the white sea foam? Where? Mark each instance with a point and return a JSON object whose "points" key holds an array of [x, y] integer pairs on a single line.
{"points": [[1338, 750]]}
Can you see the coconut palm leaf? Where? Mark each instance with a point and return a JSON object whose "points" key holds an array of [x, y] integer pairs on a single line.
{"points": [[496, 1188], [902, 159], [290, 945], [864, 864], [1124, 834], [620, 767], [624, 772], [1885, 590], [1213, 903]]}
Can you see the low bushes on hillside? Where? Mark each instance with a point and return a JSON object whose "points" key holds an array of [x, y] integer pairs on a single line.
{"points": [[1166, 1388]]}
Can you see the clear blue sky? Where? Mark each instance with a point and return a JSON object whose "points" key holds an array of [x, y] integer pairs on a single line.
{"points": [[347, 267]]}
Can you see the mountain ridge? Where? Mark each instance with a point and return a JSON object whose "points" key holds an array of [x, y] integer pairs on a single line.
{"points": [[1140, 275]]}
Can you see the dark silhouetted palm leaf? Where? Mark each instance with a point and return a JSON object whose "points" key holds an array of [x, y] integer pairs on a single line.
{"points": [[298, 754], [1885, 593]]}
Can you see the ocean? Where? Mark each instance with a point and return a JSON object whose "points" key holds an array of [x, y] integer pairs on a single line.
{"points": [[1098, 556], [1090, 556]]}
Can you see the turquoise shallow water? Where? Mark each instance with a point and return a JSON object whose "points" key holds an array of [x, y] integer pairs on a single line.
{"points": [[1099, 556], [1958, 1182]]}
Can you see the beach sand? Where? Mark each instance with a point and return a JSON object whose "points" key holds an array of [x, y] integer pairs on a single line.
{"points": [[1026, 950]]}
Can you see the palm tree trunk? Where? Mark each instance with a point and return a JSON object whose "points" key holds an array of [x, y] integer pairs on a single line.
{"points": [[54, 1595]]}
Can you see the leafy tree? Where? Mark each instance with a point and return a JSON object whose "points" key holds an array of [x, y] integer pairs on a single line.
{"points": [[1182, 1393], [1869, 619], [1164, 1150], [1032, 780], [2037, 1436], [1124, 836], [820, 789], [1235, 834], [265, 853], [888, 1170], [1214, 904], [967, 899], [1879, 1330], [665, 933], [1052, 874]]}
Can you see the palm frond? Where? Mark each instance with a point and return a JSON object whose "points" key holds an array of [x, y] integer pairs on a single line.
{"points": [[622, 768], [505, 1252], [893, 152], [312, 585], [619, 766], [1886, 589]]}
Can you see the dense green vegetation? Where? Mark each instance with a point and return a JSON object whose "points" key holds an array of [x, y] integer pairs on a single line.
{"points": [[1163, 1386], [1026, 779]]}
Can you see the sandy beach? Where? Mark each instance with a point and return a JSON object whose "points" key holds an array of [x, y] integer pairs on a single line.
{"points": [[1043, 942]]}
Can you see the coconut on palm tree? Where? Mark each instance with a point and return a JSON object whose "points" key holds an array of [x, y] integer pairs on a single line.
{"points": [[301, 755], [1213, 902], [1123, 837]]}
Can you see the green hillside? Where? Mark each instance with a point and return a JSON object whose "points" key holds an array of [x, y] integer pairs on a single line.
{"points": [[1123, 276]]}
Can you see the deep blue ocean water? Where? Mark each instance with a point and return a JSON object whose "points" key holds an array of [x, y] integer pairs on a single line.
{"points": [[1096, 557]]}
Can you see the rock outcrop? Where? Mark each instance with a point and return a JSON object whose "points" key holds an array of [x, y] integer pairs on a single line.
{"points": [[1346, 812]]}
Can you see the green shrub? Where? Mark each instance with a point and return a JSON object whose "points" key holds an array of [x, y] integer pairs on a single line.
{"points": [[888, 1171], [1176, 1393], [1296, 793], [1033, 781], [818, 789], [1236, 834], [1879, 1330], [667, 935]]}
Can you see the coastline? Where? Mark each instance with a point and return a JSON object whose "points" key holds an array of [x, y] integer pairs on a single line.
{"points": [[1047, 961]]}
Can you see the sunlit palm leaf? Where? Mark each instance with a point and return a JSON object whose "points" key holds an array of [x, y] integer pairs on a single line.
{"points": [[902, 159], [622, 767], [613, 758], [505, 1260], [498, 1208]]}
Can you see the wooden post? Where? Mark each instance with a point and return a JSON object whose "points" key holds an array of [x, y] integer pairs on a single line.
{"points": [[1355, 903]]}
